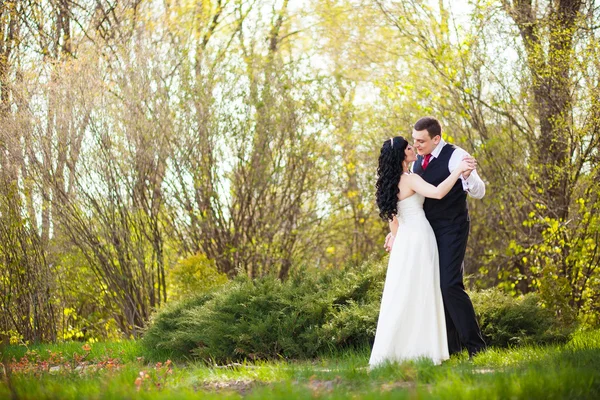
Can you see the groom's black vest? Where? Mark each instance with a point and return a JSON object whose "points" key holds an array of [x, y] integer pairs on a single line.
{"points": [[452, 209]]}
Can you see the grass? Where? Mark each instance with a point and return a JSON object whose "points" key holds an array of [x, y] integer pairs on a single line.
{"points": [[112, 370], [126, 351]]}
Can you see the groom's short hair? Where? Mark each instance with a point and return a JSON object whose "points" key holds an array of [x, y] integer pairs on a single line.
{"points": [[430, 124]]}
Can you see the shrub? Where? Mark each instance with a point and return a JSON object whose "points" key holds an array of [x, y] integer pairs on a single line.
{"points": [[506, 320], [318, 311], [193, 275], [310, 312], [167, 330], [258, 319], [354, 309]]}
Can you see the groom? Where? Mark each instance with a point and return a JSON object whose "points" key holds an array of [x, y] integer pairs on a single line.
{"points": [[449, 218]]}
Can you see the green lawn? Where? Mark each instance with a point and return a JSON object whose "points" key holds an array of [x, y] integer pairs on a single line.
{"points": [[123, 370]]}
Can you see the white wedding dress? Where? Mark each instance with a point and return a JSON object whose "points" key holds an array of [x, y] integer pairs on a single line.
{"points": [[411, 321]]}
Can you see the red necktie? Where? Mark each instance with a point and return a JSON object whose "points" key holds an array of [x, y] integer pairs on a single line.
{"points": [[426, 161]]}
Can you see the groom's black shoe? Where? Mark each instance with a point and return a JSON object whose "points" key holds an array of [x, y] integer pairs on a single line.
{"points": [[473, 353]]}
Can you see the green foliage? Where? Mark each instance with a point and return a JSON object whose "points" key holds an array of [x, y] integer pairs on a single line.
{"points": [[354, 306], [351, 325], [87, 312], [265, 318], [316, 312], [194, 274], [166, 330], [506, 320], [559, 261], [246, 319], [256, 319]]}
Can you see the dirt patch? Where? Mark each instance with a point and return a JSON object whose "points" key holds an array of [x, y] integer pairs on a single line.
{"points": [[318, 385], [241, 386], [386, 387]]}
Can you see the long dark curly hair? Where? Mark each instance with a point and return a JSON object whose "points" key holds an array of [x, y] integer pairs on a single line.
{"points": [[388, 176]]}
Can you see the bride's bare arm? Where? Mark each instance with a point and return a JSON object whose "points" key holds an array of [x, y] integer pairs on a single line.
{"points": [[389, 239], [416, 183], [394, 226]]}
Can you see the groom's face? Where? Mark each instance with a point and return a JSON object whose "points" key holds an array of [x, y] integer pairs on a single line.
{"points": [[424, 144]]}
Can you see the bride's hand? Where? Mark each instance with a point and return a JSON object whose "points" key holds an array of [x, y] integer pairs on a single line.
{"points": [[467, 164], [389, 242]]}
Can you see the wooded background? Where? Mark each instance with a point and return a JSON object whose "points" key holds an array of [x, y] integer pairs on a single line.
{"points": [[151, 148]]}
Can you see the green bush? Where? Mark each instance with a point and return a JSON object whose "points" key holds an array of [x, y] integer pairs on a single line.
{"points": [[314, 312], [354, 307], [192, 275], [258, 319], [167, 330], [311, 312], [506, 320]]}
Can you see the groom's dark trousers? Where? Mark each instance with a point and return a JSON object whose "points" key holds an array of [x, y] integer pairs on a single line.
{"points": [[461, 323], [449, 218]]}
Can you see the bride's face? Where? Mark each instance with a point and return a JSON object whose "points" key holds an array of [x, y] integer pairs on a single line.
{"points": [[410, 153]]}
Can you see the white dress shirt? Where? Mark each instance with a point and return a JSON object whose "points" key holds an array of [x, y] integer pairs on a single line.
{"points": [[473, 185]]}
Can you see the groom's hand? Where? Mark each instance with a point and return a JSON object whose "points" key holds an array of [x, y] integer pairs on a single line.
{"points": [[389, 242]]}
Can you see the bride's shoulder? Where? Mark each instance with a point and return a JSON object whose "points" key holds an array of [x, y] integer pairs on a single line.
{"points": [[412, 176], [411, 179]]}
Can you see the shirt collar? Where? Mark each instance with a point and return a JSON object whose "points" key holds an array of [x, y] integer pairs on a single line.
{"points": [[438, 149]]}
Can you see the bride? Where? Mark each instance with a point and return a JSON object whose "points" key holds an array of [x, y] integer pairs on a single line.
{"points": [[411, 321]]}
